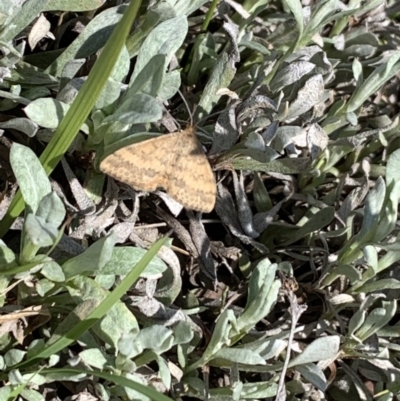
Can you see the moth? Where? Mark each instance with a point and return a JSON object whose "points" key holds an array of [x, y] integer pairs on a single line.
{"points": [[175, 162]]}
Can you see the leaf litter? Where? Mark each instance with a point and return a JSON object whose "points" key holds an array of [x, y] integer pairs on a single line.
{"points": [[288, 289]]}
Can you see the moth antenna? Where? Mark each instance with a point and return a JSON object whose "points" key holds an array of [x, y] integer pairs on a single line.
{"points": [[187, 107]]}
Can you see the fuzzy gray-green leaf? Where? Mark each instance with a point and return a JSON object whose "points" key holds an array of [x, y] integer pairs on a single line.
{"points": [[30, 175]]}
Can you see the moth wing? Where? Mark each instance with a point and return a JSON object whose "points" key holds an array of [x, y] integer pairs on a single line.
{"points": [[191, 181], [145, 166]]}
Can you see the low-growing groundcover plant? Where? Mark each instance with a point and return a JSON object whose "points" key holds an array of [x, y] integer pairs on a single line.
{"points": [[288, 289]]}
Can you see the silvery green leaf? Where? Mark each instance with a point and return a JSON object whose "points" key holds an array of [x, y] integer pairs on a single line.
{"points": [[22, 124], [221, 76], [53, 271], [74, 317], [317, 221], [137, 109], [29, 394], [221, 334], [284, 166], [321, 12], [392, 246], [5, 391], [389, 213], [283, 137], [150, 78], [93, 38], [160, 12], [368, 6], [183, 332], [252, 45], [43, 286], [109, 95], [92, 260], [226, 131], [239, 355], [15, 376], [285, 34], [253, 105], [358, 72], [237, 387], [164, 372], [39, 231], [352, 118], [232, 31], [73, 5], [13, 356], [131, 394], [35, 347], [264, 273], [255, 141], [263, 293], [51, 209], [21, 14], [95, 358], [105, 280], [296, 8], [317, 140], [356, 321], [291, 74], [156, 338], [127, 346], [203, 56], [361, 50], [307, 97], [36, 92], [388, 259], [267, 348], [169, 286], [10, 100], [84, 203], [184, 7], [70, 90], [313, 374], [342, 299], [320, 349], [170, 85], [244, 210], [71, 68], [165, 39], [259, 390], [7, 257], [46, 112], [122, 66], [377, 319], [31, 177], [372, 209], [262, 199], [371, 255], [353, 199], [380, 285], [63, 376], [374, 81], [125, 257], [118, 320], [195, 384]]}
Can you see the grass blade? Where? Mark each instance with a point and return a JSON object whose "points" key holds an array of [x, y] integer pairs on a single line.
{"points": [[72, 335], [80, 108]]}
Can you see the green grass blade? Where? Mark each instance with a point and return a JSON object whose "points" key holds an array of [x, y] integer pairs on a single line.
{"points": [[80, 108], [122, 381], [72, 335]]}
